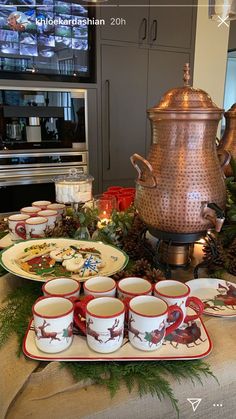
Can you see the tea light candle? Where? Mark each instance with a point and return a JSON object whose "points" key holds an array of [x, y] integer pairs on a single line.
{"points": [[103, 223]]}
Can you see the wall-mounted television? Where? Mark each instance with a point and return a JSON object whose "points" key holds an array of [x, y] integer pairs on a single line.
{"points": [[48, 38]]}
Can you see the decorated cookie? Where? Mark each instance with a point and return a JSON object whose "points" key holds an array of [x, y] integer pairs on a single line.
{"points": [[91, 266]]}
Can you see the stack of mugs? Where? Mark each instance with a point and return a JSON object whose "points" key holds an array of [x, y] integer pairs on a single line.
{"points": [[32, 222], [149, 312]]}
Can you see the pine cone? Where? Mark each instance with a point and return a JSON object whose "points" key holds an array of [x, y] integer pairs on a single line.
{"points": [[144, 269], [232, 267], [231, 253], [141, 266], [216, 256], [154, 275]]}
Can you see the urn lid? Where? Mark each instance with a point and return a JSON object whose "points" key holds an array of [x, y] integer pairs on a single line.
{"points": [[186, 99], [231, 113]]}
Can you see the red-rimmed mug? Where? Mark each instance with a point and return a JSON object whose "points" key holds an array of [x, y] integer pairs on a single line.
{"points": [[51, 215], [16, 226], [41, 204], [104, 326], [132, 286], [100, 286], [53, 323], [177, 294], [35, 227], [31, 211], [61, 287], [147, 324]]}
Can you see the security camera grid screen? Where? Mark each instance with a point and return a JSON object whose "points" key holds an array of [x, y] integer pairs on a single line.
{"points": [[44, 36]]}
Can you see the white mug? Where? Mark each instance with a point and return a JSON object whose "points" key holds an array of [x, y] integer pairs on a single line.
{"points": [[176, 293], [132, 286], [53, 324], [41, 204], [104, 323], [31, 211], [100, 286], [60, 208], [51, 215], [35, 227], [147, 322], [16, 226], [61, 287]]}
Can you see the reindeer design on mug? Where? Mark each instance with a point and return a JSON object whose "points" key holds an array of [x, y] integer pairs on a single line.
{"points": [[115, 333], [131, 329], [92, 332], [47, 335]]}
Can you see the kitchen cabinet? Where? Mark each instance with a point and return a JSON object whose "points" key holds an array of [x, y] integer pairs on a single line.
{"points": [[171, 26], [131, 24], [124, 87], [134, 76], [152, 23], [133, 80]]}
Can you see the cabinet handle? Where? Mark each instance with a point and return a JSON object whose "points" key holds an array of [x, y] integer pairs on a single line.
{"points": [[144, 25], [154, 30], [108, 125]]}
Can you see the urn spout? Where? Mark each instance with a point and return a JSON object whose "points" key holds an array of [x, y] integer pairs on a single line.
{"points": [[214, 214]]}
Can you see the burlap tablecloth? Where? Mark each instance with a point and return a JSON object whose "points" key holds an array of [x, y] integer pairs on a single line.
{"points": [[40, 390]]}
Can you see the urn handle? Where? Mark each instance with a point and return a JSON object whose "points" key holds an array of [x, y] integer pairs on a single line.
{"points": [[146, 177], [224, 157], [215, 214]]}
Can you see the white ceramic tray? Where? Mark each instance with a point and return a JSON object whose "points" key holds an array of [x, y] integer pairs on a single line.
{"points": [[197, 345]]}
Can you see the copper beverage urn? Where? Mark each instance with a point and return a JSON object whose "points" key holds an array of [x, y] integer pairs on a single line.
{"points": [[228, 141], [180, 190]]}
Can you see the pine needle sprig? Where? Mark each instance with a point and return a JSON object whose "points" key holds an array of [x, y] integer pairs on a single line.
{"points": [[194, 370], [147, 377], [16, 312]]}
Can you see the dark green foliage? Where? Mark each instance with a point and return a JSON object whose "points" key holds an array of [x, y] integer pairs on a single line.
{"points": [[17, 310]]}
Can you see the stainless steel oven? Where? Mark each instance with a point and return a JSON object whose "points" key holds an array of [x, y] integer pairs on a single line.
{"points": [[43, 134], [27, 176]]}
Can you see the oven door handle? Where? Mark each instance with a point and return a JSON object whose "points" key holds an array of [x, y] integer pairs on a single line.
{"points": [[25, 181]]}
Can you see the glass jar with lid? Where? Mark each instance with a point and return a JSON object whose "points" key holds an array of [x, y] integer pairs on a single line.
{"points": [[73, 188]]}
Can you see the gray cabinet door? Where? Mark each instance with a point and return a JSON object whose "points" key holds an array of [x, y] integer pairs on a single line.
{"points": [[165, 73], [171, 26], [124, 94], [127, 24]]}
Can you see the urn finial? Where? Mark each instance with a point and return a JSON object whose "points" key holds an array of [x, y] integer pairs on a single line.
{"points": [[187, 76]]}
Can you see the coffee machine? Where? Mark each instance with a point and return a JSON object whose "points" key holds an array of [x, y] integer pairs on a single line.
{"points": [[13, 130]]}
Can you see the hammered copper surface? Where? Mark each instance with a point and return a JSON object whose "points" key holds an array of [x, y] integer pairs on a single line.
{"points": [[182, 173], [228, 141]]}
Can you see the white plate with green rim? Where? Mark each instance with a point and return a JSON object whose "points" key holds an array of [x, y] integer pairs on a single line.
{"points": [[41, 267], [218, 296]]}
